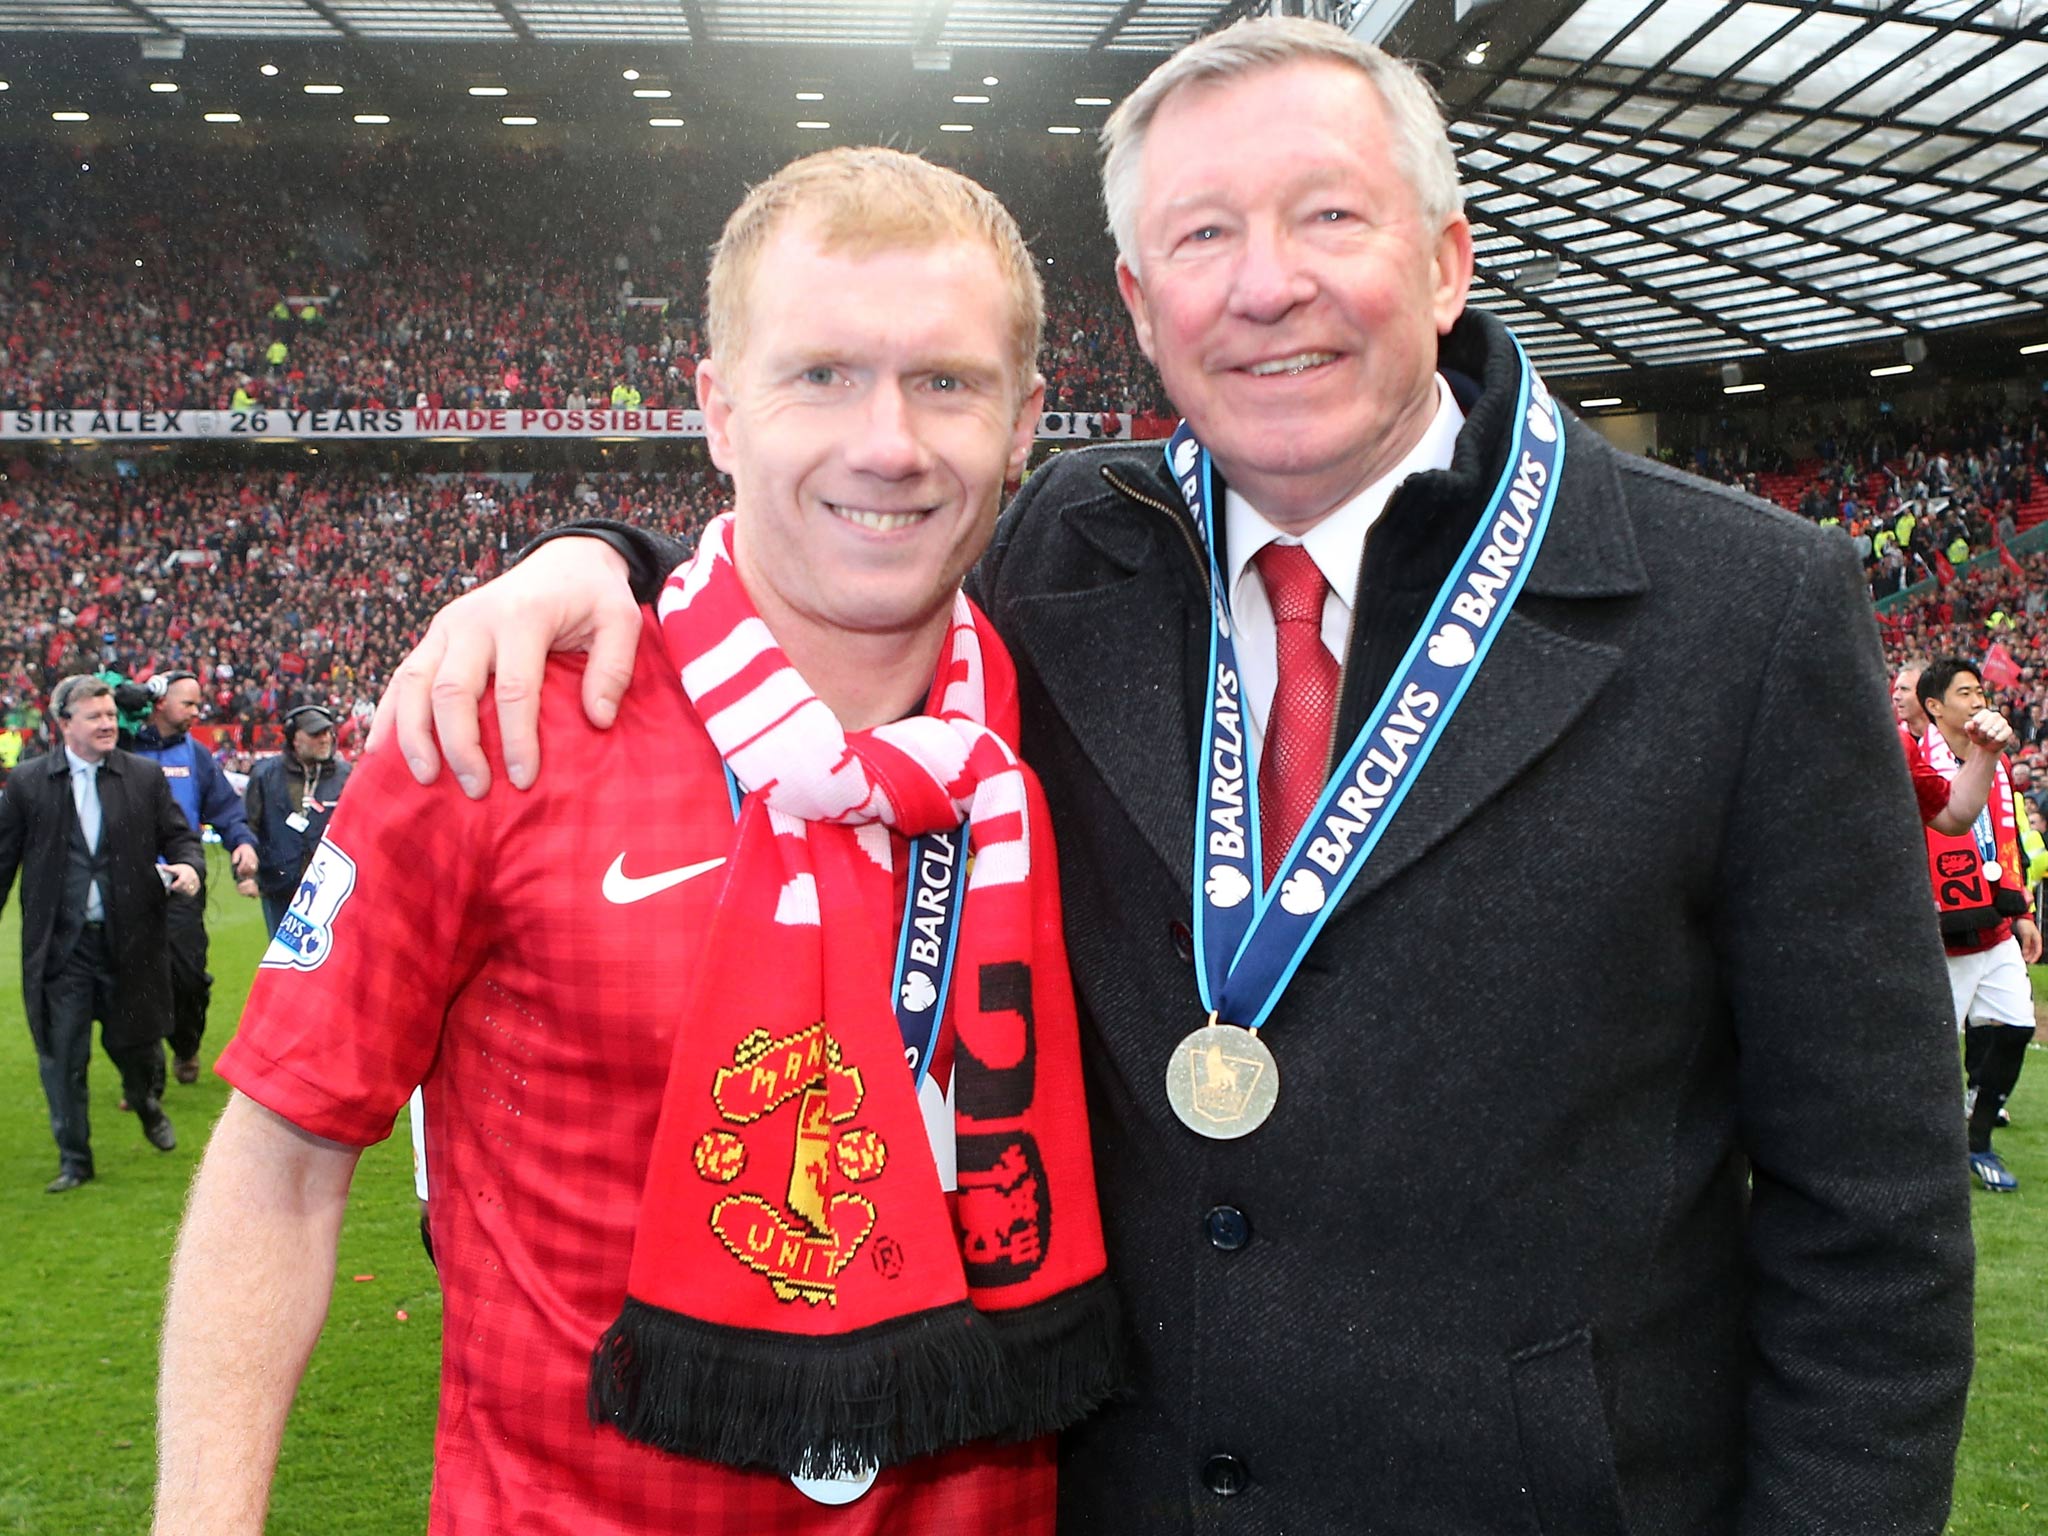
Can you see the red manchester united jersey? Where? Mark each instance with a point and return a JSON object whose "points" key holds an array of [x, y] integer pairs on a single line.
{"points": [[523, 958]]}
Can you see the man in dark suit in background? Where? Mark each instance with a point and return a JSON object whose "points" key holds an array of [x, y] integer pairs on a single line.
{"points": [[88, 824]]}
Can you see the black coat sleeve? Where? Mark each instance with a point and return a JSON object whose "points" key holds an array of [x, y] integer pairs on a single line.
{"points": [[650, 556], [1859, 1221]]}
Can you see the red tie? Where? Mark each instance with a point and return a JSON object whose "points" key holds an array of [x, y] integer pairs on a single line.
{"points": [[1304, 699]]}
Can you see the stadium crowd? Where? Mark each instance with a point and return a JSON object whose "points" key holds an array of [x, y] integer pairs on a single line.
{"points": [[277, 588], [1918, 496], [414, 275]]}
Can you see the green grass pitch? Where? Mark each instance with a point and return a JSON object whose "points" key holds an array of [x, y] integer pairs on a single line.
{"points": [[81, 1293]]}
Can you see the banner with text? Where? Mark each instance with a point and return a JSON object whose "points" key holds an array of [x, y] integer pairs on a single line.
{"points": [[319, 426]]}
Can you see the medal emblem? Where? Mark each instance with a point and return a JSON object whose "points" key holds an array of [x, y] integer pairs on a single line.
{"points": [[1222, 1082]]}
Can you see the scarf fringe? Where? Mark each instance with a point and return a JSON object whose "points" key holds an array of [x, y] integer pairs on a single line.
{"points": [[824, 1406], [1065, 1357], [799, 1404]]}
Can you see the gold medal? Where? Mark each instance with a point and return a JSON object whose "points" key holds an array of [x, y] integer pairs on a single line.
{"points": [[1222, 1081]]}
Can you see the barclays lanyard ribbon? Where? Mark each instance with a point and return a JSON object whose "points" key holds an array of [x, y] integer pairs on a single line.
{"points": [[1222, 1080]]}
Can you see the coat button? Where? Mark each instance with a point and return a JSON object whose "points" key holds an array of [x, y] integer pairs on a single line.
{"points": [[1225, 1476], [1229, 1228], [1183, 940]]}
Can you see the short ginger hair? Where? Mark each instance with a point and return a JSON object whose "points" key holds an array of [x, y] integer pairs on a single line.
{"points": [[862, 202]]}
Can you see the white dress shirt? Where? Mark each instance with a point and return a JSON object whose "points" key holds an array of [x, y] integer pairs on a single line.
{"points": [[85, 794], [1336, 544]]}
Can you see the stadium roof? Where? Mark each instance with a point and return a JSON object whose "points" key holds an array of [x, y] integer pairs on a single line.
{"points": [[1652, 182], [1684, 181], [1155, 26]]}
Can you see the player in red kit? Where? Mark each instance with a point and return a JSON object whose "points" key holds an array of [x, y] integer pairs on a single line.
{"points": [[1987, 921], [757, 1207]]}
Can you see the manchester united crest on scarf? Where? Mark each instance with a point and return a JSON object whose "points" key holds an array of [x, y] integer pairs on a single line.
{"points": [[799, 1244]]}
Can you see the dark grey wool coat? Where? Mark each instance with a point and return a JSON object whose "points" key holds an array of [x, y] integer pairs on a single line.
{"points": [[139, 822], [1617, 1185]]}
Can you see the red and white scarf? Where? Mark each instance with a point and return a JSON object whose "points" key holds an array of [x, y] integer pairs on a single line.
{"points": [[804, 1296]]}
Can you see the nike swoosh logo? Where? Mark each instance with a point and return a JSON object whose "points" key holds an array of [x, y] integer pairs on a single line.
{"points": [[622, 889]]}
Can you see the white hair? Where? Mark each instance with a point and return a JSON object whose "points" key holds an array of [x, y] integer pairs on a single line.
{"points": [[1421, 146]]}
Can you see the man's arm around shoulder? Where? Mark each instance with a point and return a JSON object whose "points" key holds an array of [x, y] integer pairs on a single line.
{"points": [[249, 1289]]}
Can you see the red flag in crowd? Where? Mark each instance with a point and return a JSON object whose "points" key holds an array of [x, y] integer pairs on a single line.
{"points": [[2000, 670], [1943, 571], [2005, 558]]}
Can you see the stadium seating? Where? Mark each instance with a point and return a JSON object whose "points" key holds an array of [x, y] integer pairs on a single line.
{"points": [[415, 276]]}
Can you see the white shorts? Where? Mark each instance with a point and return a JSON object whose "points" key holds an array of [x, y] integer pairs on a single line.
{"points": [[1991, 986]]}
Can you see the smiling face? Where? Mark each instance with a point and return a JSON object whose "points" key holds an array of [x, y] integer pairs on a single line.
{"points": [[1288, 286], [868, 435], [92, 727]]}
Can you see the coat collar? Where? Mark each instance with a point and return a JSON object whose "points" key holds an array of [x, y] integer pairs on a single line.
{"points": [[1126, 662], [60, 762]]}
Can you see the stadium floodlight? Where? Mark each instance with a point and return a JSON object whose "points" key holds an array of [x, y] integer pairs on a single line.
{"points": [[3, 85], [1091, 101], [163, 88], [811, 122], [1741, 389], [653, 94], [1594, 405], [970, 101], [956, 127], [1061, 128], [70, 117], [810, 95], [488, 90], [630, 74], [664, 122], [990, 80], [372, 119], [519, 122], [1892, 372], [2034, 349], [1477, 53], [323, 90], [223, 117], [268, 69]]}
